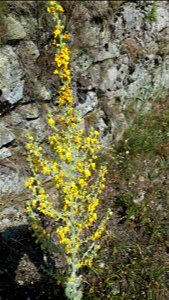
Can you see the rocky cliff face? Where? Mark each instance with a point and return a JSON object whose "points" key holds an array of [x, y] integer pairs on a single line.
{"points": [[120, 60]]}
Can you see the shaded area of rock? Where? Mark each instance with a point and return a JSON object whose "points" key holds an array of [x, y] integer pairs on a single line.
{"points": [[22, 266]]}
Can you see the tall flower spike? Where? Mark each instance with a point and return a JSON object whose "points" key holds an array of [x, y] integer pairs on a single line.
{"points": [[70, 166]]}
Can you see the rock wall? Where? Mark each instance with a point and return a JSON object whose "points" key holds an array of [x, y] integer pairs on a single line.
{"points": [[120, 61]]}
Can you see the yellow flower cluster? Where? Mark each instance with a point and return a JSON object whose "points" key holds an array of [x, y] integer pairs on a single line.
{"points": [[54, 7]]}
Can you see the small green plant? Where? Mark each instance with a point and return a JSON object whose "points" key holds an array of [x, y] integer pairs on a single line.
{"points": [[152, 15], [67, 221]]}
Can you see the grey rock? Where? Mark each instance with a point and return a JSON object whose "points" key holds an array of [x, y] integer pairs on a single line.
{"points": [[129, 17], [90, 103], [10, 71], [11, 182], [28, 112], [162, 17], [5, 222], [6, 136], [109, 78], [32, 50], [10, 211], [82, 62], [5, 153], [102, 127], [15, 30], [15, 93], [13, 119], [43, 93], [91, 77], [113, 51], [119, 28], [38, 127]]}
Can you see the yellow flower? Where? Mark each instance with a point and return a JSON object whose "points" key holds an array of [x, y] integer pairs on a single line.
{"points": [[27, 183], [93, 165], [79, 226], [91, 150], [54, 167], [88, 262], [49, 214], [87, 173], [65, 229], [68, 157], [79, 166], [82, 182], [28, 209], [71, 279], [30, 138], [81, 131], [34, 202], [77, 140], [79, 264], [42, 197], [92, 218], [110, 212], [42, 191], [35, 152], [60, 8], [96, 133], [45, 170], [51, 122], [98, 233], [28, 146], [56, 72], [76, 246], [67, 36], [88, 140], [101, 185]]}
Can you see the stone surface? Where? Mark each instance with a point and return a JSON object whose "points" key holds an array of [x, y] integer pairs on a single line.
{"points": [[5, 153], [11, 182], [11, 210], [15, 93], [89, 104], [11, 82], [109, 79], [15, 30], [10, 71], [6, 136], [32, 50], [28, 112], [43, 93]]}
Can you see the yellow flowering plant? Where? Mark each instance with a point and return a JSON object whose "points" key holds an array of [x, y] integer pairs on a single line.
{"points": [[71, 168]]}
